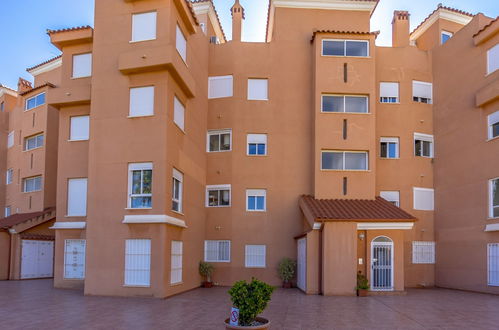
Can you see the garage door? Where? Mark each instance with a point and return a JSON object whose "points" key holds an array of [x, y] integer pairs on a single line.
{"points": [[301, 276], [37, 260]]}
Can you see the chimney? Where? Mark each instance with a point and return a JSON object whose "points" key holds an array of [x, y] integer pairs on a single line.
{"points": [[23, 85], [237, 12], [400, 28]]}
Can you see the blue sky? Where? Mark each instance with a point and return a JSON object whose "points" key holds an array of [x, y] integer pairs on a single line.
{"points": [[25, 43]]}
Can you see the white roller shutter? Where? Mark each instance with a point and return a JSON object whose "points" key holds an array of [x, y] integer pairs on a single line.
{"points": [[181, 44], [493, 59], [77, 197], [141, 101], [82, 65], [258, 89], [144, 26], [176, 262], [220, 86], [179, 113], [389, 89], [423, 199], [421, 89], [80, 127], [257, 138]]}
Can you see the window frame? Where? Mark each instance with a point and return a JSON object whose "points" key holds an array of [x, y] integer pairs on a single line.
{"points": [[179, 108], [491, 199], [389, 140], [345, 151], [488, 72], [419, 254], [344, 96], [144, 166], [179, 255], [424, 138], [250, 96], [397, 98], [419, 98], [11, 139], [246, 264], [219, 188], [9, 213], [447, 33], [36, 104], [9, 176], [130, 101], [25, 180], [29, 138], [490, 247], [132, 40], [66, 241], [391, 200], [87, 128], [345, 47], [254, 138], [136, 284], [179, 177], [492, 119], [256, 193], [183, 56], [218, 249], [219, 133]]}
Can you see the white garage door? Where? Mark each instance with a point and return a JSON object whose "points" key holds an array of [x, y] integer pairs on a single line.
{"points": [[37, 259], [301, 278]]}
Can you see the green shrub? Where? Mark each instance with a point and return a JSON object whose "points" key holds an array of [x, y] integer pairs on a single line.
{"points": [[287, 268], [362, 282], [206, 269], [250, 298]]}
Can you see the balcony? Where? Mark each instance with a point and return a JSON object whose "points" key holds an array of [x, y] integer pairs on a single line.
{"points": [[69, 95]]}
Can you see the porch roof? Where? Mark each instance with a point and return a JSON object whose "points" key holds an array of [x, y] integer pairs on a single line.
{"points": [[19, 218]]}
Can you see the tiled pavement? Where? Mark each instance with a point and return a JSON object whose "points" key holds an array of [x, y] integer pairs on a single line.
{"points": [[36, 305]]}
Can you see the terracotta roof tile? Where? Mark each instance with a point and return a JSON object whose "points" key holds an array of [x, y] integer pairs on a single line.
{"points": [[486, 26], [344, 32], [18, 218], [354, 209], [440, 6], [38, 87], [76, 28], [45, 62], [216, 14]]}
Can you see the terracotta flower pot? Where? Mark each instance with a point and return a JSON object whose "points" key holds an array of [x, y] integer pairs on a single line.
{"points": [[207, 284], [362, 292], [286, 285], [265, 325]]}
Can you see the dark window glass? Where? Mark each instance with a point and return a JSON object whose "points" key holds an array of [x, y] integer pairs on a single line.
{"points": [[332, 160], [495, 130], [356, 48], [332, 103], [356, 104], [335, 48]]}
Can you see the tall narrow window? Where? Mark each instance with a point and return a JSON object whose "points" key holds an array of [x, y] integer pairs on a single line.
{"points": [[423, 199], [33, 142], [181, 44], [493, 59], [422, 92], [218, 195], [82, 65], [423, 252], [389, 147], [79, 128], [77, 197], [7, 211], [141, 101], [258, 89], [257, 144], [35, 101], [144, 26], [217, 251], [493, 121], [391, 196], [176, 262], [256, 200], [32, 184], [493, 264], [445, 36], [389, 92], [255, 256], [423, 145], [9, 176], [219, 140], [345, 103], [177, 189], [74, 258], [138, 262], [140, 185], [494, 198], [220, 86], [178, 113], [344, 160], [10, 140]]}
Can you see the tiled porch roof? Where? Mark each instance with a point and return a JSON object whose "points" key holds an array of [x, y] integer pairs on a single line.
{"points": [[18, 218]]}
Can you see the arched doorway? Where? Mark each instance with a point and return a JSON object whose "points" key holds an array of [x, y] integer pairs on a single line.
{"points": [[382, 264]]}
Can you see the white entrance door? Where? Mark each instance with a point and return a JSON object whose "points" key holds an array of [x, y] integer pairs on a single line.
{"points": [[37, 260], [301, 276], [382, 264]]}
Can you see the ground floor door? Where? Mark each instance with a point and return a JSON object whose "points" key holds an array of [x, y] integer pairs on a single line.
{"points": [[382, 264], [301, 276], [37, 259]]}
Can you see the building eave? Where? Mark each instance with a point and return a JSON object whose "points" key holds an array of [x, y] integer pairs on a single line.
{"points": [[46, 66], [207, 7], [445, 13]]}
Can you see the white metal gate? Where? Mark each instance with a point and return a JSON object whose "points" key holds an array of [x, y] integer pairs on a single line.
{"points": [[37, 260], [382, 264], [301, 276]]}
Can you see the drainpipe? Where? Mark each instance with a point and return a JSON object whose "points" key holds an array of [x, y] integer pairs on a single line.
{"points": [[321, 264]]}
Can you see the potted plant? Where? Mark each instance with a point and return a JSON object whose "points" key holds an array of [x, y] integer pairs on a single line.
{"points": [[362, 285], [251, 299], [286, 270], [206, 269]]}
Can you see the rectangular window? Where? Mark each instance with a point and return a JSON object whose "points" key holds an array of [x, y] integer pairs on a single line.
{"points": [[219, 141], [79, 128], [494, 198], [422, 92], [345, 103], [218, 195], [389, 92], [258, 89], [9, 176], [2, 106], [423, 252], [356, 48], [257, 144], [217, 251], [344, 160], [35, 101], [389, 147], [10, 140], [220, 86], [7, 211], [423, 199], [32, 184], [178, 113], [423, 145], [177, 190], [181, 44], [493, 59], [77, 197], [144, 26], [33, 142], [391, 196], [82, 65], [141, 101], [176, 262], [255, 256], [138, 262], [140, 185], [493, 264], [74, 258], [493, 121], [256, 200], [445, 36]]}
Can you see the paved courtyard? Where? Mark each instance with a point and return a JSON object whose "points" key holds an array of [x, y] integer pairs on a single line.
{"points": [[36, 305]]}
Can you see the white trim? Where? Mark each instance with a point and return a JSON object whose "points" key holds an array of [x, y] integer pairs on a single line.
{"points": [[384, 225], [492, 227], [256, 193], [326, 4], [46, 67], [6, 90], [447, 33], [154, 218], [343, 152], [218, 132], [218, 246], [443, 14], [344, 96], [392, 253], [317, 225], [345, 47], [69, 225], [218, 188], [491, 199], [201, 8]]}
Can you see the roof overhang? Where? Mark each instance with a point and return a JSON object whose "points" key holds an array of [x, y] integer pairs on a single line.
{"points": [[37, 88], [187, 15], [384, 225], [440, 13], [7, 91], [45, 67], [492, 227], [206, 7], [154, 218], [71, 36], [487, 32], [69, 225], [356, 5], [364, 33]]}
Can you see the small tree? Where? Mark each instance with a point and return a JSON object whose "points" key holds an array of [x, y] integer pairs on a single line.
{"points": [[287, 268], [205, 270], [362, 282], [250, 298]]}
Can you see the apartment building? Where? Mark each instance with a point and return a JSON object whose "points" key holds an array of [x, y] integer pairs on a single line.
{"points": [[176, 145]]}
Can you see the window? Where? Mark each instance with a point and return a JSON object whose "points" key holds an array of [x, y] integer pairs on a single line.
{"points": [[176, 262], [141, 101], [2, 106], [79, 128], [423, 145], [82, 65], [144, 26], [77, 197], [74, 258], [493, 264], [423, 199], [33, 142], [181, 44], [10, 140], [217, 251], [178, 113], [389, 92], [391, 196], [137, 262], [35, 101], [493, 59], [344, 103], [177, 190], [7, 211], [445, 36], [494, 198], [219, 140], [493, 121], [32, 184], [221, 86], [357, 48], [9, 176], [422, 92], [258, 89], [257, 144], [140, 185], [423, 252], [389, 147], [344, 160], [256, 200], [255, 256], [218, 195]]}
